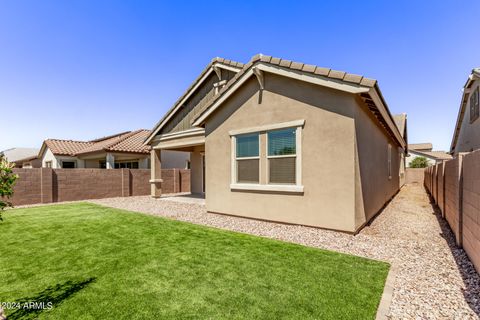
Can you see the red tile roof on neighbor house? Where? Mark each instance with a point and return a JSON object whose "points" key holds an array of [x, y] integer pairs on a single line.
{"points": [[129, 142]]}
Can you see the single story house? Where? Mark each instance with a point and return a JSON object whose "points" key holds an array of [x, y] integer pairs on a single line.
{"points": [[284, 141], [466, 136], [426, 150], [23, 157], [122, 150]]}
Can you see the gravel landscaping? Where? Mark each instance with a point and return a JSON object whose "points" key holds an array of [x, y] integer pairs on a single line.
{"points": [[434, 279]]}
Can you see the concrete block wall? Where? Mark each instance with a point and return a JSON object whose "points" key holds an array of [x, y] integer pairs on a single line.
{"points": [[45, 185], [471, 207], [453, 189], [414, 175], [440, 188], [455, 185]]}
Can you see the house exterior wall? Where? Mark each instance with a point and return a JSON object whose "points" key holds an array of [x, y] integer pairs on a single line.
{"points": [[328, 199], [57, 160], [469, 135], [373, 187]]}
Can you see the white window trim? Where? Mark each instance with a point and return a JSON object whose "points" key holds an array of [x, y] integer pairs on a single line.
{"points": [[297, 156], [294, 188], [235, 160]]}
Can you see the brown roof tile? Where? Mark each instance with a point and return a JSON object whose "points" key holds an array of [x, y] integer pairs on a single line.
{"points": [[131, 142], [66, 147]]}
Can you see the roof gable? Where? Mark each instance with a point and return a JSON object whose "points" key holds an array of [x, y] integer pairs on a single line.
{"points": [[213, 68], [367, 88]]}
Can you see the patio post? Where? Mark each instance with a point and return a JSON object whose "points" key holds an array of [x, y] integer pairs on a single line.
{"points": [[156, 173]]}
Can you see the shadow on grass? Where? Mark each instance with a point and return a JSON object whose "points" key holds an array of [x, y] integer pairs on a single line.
{"points": [[470, 277], [48, 299]]}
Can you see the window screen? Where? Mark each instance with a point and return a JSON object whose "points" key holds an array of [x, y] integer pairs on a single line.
{"points": [[248, 171], [247, 145], [282, 158], [282, 142], [248, 162], [282, 170]]}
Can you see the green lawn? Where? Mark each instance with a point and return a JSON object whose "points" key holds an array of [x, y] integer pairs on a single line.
{"points": [[94, 262]]}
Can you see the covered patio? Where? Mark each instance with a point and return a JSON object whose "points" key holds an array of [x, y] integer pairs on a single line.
{"points": [[192, 141]]}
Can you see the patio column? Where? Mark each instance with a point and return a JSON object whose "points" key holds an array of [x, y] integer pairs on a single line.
{"points": [[110, 161], [156, 173]]}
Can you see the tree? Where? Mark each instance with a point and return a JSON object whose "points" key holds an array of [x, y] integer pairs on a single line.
{"points": [[7, 181], [419, 162]]}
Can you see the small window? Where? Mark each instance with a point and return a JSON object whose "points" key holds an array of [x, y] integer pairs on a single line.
{"points": [[68, 164], [126, 165], [48, 164], [282, 156], [247, 158], [389, 156], [474, 105]]}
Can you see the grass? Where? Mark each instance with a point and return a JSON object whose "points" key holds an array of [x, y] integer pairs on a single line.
{"points": [[93, 262]]}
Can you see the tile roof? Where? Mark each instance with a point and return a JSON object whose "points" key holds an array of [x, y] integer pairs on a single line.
{"points": [[130, 142], [420, 146], [307, 68], [66, 147]]}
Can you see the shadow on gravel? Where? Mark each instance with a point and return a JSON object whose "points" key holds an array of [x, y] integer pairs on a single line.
{"points": [[470, 277], [48, 299]]}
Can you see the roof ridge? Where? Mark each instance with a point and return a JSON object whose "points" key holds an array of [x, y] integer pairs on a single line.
{"points": [[121, 139], [67, 140]]}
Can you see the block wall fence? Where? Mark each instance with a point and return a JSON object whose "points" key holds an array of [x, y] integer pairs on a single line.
{"points": [[455, 188], [45, 185]]}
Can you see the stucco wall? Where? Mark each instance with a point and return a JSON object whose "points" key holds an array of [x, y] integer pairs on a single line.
{"points": [[469, 135], [327, 153], [374, 187]]}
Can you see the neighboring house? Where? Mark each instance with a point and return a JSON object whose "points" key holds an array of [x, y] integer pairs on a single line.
{"points": [[23, 157], [284, 141], [401, 123], [425, 150], [122, 150], [466, 136]]}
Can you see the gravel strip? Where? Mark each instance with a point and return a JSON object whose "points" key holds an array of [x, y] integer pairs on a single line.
{"points": [[435, 280]]}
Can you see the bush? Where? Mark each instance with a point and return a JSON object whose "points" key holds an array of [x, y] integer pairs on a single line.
{"points": [[419, 162], [7, 181]]}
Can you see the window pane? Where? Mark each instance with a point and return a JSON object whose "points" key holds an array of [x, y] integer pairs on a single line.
{"points": [[247, 145], [282, 170], [282, 142], [134, 165], [248, 171]]}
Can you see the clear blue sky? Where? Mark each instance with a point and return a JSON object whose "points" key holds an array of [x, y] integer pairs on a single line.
{"points": [[84, 69]]}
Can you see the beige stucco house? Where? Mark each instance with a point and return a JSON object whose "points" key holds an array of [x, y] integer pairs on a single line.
{"points": [[122, 150], [466, 136], [285, 141]]}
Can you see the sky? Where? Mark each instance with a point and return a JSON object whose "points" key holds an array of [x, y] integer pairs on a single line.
{"points": [[85, 69]]}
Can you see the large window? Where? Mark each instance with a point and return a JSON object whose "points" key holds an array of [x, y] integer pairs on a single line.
{"points": [[474, 105], [282, 156], [267, 158], [248, 158], [68, 164]]}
